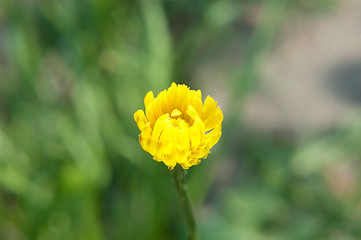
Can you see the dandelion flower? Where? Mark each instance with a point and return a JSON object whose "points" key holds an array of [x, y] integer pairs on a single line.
{"points": [[177, 128]]}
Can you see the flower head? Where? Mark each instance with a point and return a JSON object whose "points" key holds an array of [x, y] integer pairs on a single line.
{"points": [[177, 128]]}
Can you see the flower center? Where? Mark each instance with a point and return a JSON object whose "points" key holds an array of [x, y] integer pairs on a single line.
{"points": [[176, 120], [175, 113]]}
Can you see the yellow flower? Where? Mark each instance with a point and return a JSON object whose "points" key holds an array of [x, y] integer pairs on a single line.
{"points": [[177, 128]]}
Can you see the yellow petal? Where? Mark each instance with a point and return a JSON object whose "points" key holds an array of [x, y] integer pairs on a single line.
{"points": [[195, 137], [208, 107], [145, 139], [170, 161], [198, 123], [213, 136], [172, 96], [181, 100], [162, 103], [150, 113], [183, 141], [140, 119], [149, 97], [215, 118], [181, 156], [192, 113], [196, 102], [160, 125], [167, 143], [203, 153]]}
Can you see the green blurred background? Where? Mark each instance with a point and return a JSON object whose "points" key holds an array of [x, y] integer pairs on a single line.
{"points": [[286, 73]]}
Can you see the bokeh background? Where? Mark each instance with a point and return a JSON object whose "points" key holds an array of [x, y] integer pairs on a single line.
{"points": [[286, 73]]}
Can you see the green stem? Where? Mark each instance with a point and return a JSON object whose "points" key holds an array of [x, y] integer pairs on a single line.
{"points": [[178, 174]]}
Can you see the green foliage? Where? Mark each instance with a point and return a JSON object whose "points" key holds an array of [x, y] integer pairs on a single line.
{"points": [[72, 73]]}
